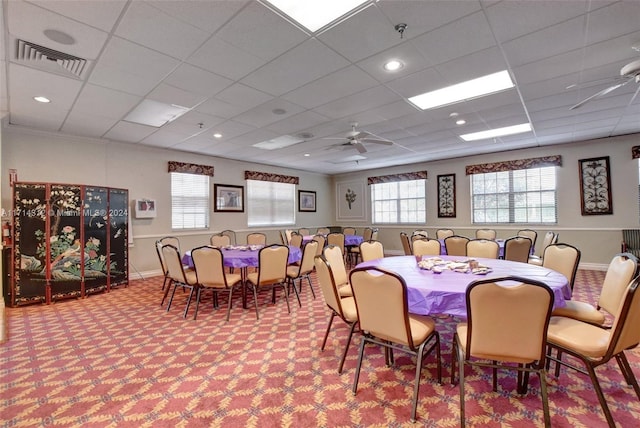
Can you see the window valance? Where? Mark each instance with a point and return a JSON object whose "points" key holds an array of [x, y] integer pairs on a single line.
{"points": [[190, 168], [635, 152], [418, 175], [513, 165], [266, 176]]}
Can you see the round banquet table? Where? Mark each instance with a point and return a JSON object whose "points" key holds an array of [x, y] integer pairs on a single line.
{"points": [[444, 293], [243, 258], [349, 240]]}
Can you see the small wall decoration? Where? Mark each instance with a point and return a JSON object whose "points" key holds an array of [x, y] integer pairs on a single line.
{"points": [[306, 201], [447, 195], [228, 198], [595, 186], [350, 200], [145, 208]]}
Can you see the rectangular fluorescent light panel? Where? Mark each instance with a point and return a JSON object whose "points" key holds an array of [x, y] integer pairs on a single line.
{"points": [[155, 113], [498, 132], [278, 143], [470, 89], [315, 14]]}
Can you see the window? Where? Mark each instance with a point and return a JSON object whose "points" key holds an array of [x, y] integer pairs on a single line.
{"points": [[270, 203], [518, 196], [189, 201], [399, 202]]}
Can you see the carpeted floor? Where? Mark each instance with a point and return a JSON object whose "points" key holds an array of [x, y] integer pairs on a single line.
{"points": [[120, 360]]}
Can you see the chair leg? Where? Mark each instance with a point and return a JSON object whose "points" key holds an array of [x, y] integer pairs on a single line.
{"points": [[175, 285], [542, 375], [313, 293], [255, 299], [599, 393], [198, 296], [326, 334], [416, 383], [454, 358], [286, 296], [166, 292], [356, 377], [346, 348], [229, 303], [631, 379], [461, 380], [186, 309], [292, 282]]}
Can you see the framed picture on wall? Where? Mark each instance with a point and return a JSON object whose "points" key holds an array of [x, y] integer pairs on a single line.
{"points": [[447, 195], [306, 201], [595, 186], [350, 200], [145, 208], [228, 198]]}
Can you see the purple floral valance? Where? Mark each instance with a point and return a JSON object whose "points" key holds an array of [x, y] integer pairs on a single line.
{"points": [[190, 168], [392, 178], [267, 176], [635, 152], [513, 165]]}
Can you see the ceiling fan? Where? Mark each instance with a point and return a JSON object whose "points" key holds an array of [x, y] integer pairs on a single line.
{"points": [[628, 73], [356, 139]]}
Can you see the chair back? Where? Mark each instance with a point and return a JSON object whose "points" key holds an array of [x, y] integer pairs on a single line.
{"points": [[173, 262], [489, 234], [486, 248], [529, 233], [374, 234], [336, 239], [546, 241], [349, 230], [308, 254], [163, 265], [456, 245], [517, 249], [231, 234], [219, 240], [426, 247], [170, 240], [335, 257], [208, 263], [625, 333], [367, 234], [304, 231], [406, 244], [328, 285], [256, 238], [287, 236], [272, 264], [419, 234], [296, 240], [377, 291], [323, 231], [508, 323], [622, 269], [444, 233], [371, 250], [320, 239], [563, 258]]}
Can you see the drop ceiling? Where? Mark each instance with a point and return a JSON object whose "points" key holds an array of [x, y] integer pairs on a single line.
{"points": [[251, 75]]}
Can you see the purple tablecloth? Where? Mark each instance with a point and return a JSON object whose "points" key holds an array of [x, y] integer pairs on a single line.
{"points": [[444, 293], [349, 240], [443, 250], [244, 258]]}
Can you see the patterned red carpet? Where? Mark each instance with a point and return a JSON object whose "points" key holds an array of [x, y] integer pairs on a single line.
{"points": [[120, 360]]}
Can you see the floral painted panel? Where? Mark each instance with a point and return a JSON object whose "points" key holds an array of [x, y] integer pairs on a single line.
{"points": [[118, 236], [96, 217]]}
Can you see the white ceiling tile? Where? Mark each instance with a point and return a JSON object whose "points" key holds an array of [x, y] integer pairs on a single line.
{"points": [[356, 103], [266, 114], [197, 80], [222, 58], [102, 14], [298, 122], [171, 95], [87, 125], [206, 15], [243, 96], [129, 132]]}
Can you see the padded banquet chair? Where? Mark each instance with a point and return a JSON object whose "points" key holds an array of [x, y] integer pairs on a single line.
{"points": [[349, 230], [505, 325], [283, 238], [296, 240], [304, 231], [374, 234], [354, 250], [631, 241], [419, 234], [303, 270], [622, 269], [337, 239], [485, 248], [563, 258], [179, 275], [378, 291], [406, 244], [444, 233], [219, 240], [594, 346], [271, 273], [321, 240], [208, 264], [333, 255], [343, 307], [517, 249], [549, 238], [489, 234], [231, 234], [287, 236], [256, 238], [371, 250], [162, 266], [323, 231], [426, 247], [456, 245], [529, 233]]}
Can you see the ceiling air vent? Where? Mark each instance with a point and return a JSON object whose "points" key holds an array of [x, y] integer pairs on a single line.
{"points": [[49, 59]]}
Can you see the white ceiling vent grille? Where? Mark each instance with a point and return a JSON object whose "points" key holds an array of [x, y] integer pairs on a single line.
{"points": [[49, 59]]}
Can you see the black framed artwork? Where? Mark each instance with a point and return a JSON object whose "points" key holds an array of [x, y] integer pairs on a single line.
{"points": [[306, 201], [228, 198], [595, 186], [447, 195]]}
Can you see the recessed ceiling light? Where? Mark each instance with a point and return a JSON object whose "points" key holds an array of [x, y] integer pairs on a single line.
{"points": [[454, 114], [460, 122], [498, 132], [468, 90], [42, 99], [393, 65], [278, 143], [316, 14], [307, 155], [217, 135]]}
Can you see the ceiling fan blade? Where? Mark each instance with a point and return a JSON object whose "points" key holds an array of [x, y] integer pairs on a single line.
{"points": [[377, 141], [359, 146], [599, 94]]}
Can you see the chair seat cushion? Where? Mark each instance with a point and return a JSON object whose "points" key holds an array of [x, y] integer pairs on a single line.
{"points": [[535, 260], [462, 331], [584, 338], [580, 311], [345, 291], [191, 276], [421, 327], [349, 309], [292, 271]]}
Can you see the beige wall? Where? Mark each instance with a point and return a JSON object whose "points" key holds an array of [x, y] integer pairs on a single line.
{"points": [[143, 170]]}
